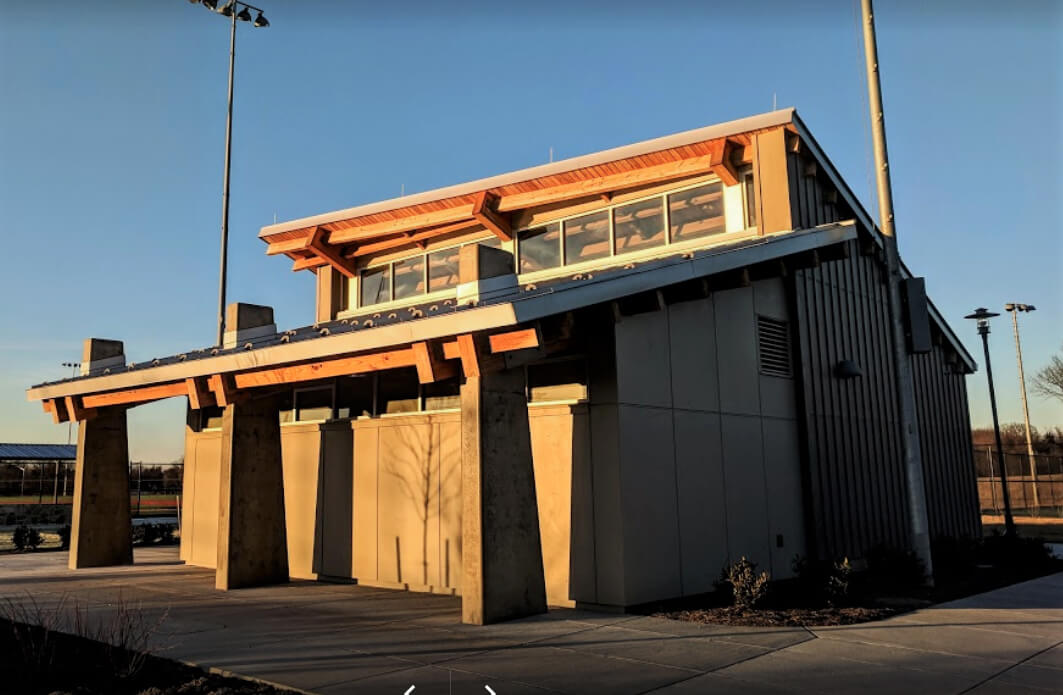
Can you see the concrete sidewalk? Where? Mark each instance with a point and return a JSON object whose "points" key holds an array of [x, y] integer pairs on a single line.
{"points": [[328, 638]]}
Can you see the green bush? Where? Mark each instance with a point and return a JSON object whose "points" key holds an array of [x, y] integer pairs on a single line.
{"points": [[27, 538], [836, 587], [747, 587]]}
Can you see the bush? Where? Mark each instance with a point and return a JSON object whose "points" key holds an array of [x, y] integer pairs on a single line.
{"points": [[820, 581], [747, 587], [27, 538], [836, 588], [1022, 554], [892, 571]]}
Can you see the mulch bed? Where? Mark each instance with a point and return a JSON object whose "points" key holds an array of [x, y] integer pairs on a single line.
{"points": [[789, 617], [37, 663]]}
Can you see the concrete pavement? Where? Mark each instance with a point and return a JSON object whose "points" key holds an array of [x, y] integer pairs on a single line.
{"points": [[330, 638]]}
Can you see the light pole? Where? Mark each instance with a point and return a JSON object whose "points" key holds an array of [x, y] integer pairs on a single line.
{"points": [[234, 10], [22, 485], [1014, 310], [982, 316]]}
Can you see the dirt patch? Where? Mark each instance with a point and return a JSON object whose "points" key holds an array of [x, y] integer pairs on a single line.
{"points": [[789, 617]]}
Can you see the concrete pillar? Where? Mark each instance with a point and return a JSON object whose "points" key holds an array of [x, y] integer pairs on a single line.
{"points": [[101, 532], [246, 322], [502, 557], [252, 541]]}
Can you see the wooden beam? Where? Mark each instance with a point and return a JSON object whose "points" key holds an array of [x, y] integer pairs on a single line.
{"points": [[407, 238], [424, 363], [470, 359], [222, 387], [199, 395], [324, 369], [722, 165], [76, 411], [483, 212], [308, 263], [516, 340], [289, 245], [144, 394], [57, 409], [614, 182], [402, 224], [330, 254]]}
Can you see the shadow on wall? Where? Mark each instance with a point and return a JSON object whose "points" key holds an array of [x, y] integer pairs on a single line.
{"points": [[333, 532]]}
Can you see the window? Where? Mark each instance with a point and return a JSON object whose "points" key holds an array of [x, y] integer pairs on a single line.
{"points": [[562, 380], [398, 391], [313, 403], [442, 395], [540, 248], [587, 237], [773, 347], [443, 269], [376, 286], [354, 396], [638, 225], [750, 201], [696, 213], [409, 277]]}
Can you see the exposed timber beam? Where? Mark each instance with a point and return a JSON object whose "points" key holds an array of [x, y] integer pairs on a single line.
{"points": [[135, 396], [470, 358], [76, 410], [402, 224], [199, 395], [484, 213], [289, 245], [325, 369], [515, 340], [721, 151], [407, 238], [309, 263], [222, 387], [330, 254]]}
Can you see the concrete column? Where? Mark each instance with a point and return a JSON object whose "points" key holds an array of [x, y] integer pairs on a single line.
{"points": [[502, 557], [252, 541], [101, 533]]}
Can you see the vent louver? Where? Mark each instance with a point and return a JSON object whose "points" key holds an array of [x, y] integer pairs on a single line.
{"points": [[773, 347]]}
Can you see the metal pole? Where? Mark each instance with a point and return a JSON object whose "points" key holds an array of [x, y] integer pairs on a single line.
{"points": [[225, 187], [1026, 412], [1009, 522], [55, 485], [913, 465]]}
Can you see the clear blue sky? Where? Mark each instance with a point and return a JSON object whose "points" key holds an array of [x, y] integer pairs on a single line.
{"points": [[112, 128]]}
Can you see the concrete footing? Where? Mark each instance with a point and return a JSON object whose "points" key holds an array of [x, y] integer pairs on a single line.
{"points": [[101, 532], [252, 543], [501, 549]]}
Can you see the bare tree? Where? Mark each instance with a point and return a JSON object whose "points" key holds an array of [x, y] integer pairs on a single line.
{"points": [[1049, 381]]}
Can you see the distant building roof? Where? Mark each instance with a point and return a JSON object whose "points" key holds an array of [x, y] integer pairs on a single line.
{"points": [[38, 452]]}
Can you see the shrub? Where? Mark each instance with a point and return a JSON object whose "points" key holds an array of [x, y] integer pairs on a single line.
{"points": [[747, 587], [26, 538], [836, 587], [894, 571], [64, 537], [1022, 554]]}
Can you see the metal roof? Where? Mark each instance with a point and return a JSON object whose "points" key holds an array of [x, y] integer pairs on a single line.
{"points": [[38, 452]]}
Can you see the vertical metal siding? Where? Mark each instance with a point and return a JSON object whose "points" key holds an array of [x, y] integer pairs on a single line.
{"points": [[945, 433], [852, 434]]}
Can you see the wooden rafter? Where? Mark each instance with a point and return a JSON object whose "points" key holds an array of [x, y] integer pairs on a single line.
{"points": [[470, 356], [408, 238], [309, 263], [199, 395], [329, 254], [515, 340], [135, 396], [76, 410], [222, 387], [403, 224], [483, 210], [721, 151], [289, 245], [341, 366]]}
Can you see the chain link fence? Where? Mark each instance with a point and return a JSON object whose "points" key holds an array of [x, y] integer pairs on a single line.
{"points": [[154, 488], [1035, 483]]}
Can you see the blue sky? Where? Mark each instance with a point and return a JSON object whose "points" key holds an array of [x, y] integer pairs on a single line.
{"points": [[112, 129]]}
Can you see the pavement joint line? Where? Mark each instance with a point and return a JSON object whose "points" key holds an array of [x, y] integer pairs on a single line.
{"points": [[895, 645], [1012, 666]]}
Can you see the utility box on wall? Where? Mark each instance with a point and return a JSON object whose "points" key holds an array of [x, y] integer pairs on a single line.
{"points": [[916, 316]]}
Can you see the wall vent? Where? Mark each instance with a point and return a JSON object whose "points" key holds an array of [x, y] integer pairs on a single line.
{"points": [[773, 347]]}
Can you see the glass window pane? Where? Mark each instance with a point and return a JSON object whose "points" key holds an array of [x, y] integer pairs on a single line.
{"points": [[442, 395], [398, 391], [540, 248], [443, 269], [697, 212], [313, 404], [751, 202], [639, 225], [376, 286], [587, 237], [409, 277], [354, 396], [491, 243]]}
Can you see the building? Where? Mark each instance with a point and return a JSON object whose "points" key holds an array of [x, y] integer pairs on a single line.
{"points": [[591, 382]]}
